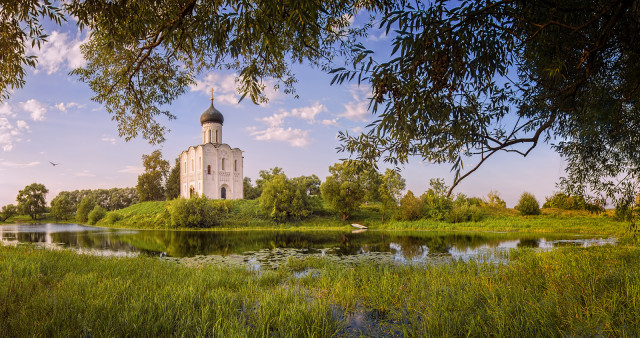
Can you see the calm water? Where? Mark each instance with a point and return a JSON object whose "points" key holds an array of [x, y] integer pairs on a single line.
{"points": [[269, 248]]}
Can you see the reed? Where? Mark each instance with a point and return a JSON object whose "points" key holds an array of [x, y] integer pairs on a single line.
{"points": [[568, 291]]}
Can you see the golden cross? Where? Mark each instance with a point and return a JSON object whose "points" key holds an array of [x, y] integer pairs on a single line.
{"points": [[211, 95]]}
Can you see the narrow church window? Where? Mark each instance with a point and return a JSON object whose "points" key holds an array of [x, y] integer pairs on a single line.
{"points": [[209, 169], [200, 162], [192, 165], [223, 193], [235, 165], [223, 164], [216, 136]]}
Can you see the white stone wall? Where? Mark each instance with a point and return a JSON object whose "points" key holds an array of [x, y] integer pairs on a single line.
{"points": [[209, 168]]}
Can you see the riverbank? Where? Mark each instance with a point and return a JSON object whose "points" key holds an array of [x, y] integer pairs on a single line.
{"points": [[569, 291], [245, 215]]}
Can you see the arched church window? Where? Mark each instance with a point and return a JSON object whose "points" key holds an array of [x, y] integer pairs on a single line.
{"points": [[209, 135], [223, 193], [209, 169], [223, 164], [217, 136], [235, 165], [200, 162]]}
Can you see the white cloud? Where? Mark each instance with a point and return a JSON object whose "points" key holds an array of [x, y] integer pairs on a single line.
{"points": [[59, 50], [225, 88], [332, 122], [36, 109], [64, 106], [356, 110], [309, 113], [130, 169], [22, 124], [5, 109], [84, 173], [19, 165], [356, 130], [8, 134], [295, 137], [108, 139]]}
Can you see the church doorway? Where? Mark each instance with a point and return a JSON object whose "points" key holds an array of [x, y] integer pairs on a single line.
{"points": [[192, 192], [223, 193]]}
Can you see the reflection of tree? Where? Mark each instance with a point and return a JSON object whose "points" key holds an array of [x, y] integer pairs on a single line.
{"points": [[190, 243], [529, 243]]}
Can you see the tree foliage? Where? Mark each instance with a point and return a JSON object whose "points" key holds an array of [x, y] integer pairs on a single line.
{"points": [[31, 200], [468, 79], [84, 208], [343, 190], [20, 27], [285, 199], [410, 207], [7, 212], [110, 199], [528, 205], [389, 191], [172, 185], [250, 191], [62, 206], [151, 183]]}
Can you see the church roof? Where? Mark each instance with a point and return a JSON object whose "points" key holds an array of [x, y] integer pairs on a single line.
{"points": [[211, 115]]}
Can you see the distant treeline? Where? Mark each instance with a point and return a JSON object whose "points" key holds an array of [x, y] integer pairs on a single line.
{"points": [[66, 203]]}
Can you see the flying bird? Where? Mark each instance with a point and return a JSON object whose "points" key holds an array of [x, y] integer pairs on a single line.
{"points": [[54, 164]]}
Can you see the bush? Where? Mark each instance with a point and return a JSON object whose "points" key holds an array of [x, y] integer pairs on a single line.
{"points": [[528, 205], [562, 201], [410, 207], [96, 214], [112, 218], [197, 212], [465, 213], [86, 205]]}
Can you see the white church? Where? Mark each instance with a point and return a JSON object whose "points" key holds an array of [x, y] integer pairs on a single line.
{"points": [[212, 169]]}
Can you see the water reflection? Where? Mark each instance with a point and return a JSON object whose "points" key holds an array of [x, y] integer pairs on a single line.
{"points": [[260, 248]]}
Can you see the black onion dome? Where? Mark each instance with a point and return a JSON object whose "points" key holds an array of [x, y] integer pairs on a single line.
{"points": [[212, 115]]}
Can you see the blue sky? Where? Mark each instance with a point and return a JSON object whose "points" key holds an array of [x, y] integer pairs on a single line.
{"points": [[53, 119]]}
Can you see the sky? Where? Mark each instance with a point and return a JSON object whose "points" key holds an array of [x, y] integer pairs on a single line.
{"points": [[52, 119]]}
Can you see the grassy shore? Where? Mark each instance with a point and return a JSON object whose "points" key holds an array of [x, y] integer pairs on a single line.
{"points": [[569, 291], [245, 215]]}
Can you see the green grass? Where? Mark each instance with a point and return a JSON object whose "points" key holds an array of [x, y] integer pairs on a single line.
{"points": [[569, 291]]}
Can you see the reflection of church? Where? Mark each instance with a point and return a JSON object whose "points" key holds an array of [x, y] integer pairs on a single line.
{"points": [[212, 169]]}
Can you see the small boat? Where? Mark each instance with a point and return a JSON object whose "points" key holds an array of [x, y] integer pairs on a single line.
{"points": [[359, 226]]}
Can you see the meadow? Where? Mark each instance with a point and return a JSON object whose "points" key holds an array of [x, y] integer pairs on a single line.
{"points": [[568, 291]]}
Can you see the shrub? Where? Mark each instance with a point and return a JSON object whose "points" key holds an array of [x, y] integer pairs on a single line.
{"points": [[410, 207], [96, 214], [86, 205], [8, 211], [465, 213], [565, 202], [528, 205], [493, 200], [197, 212], [112, 218]]}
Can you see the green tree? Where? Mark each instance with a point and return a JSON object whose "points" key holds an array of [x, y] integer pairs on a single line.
{"points": [[96, 214], [528, 205], [436, 202], [172, 186], [250, 192], [410, 207], [343, 190], [390, 188], [466, 80], [151, 183], [8, 211], [285, 199], [31, 200], [62, 206], [84, 208], [493, 200]]}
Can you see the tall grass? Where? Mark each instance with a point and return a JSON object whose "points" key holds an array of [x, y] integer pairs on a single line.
{"points": [[570, 291]]}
